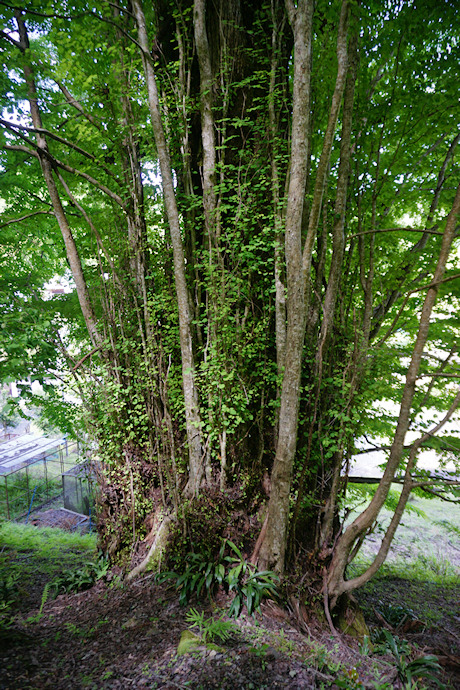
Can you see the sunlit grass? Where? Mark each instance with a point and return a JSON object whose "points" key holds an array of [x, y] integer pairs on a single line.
{"points": [[44, 541], [28, 552], [423, 548], [423, 568]]}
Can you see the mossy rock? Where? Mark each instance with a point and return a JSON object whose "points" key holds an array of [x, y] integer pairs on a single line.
{"points": [[351, 621], [189, 642]]}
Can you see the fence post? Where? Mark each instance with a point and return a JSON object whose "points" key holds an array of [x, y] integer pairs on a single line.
{"points": [[46, 479], [27, 484], [7, 501]]}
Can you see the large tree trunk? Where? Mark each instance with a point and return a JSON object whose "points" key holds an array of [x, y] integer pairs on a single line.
{"points": [[192, 412], [42, 145], [298, 264]]}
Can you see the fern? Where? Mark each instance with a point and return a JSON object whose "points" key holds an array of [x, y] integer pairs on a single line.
{"points": [[37, 617]]}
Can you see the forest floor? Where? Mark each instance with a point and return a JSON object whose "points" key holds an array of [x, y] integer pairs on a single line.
{"points": [[118, 635]]}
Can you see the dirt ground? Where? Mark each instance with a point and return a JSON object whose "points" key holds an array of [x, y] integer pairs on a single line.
{"points": [[126, 636], [118, 636]]}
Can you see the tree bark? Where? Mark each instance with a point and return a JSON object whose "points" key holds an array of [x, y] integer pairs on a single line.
{"points": [[272, 552], [337, 584], [192, 412], [59, 212], [298, 262]]}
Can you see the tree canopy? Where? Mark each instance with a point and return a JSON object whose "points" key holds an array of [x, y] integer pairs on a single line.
{"points": [[257, 205]]}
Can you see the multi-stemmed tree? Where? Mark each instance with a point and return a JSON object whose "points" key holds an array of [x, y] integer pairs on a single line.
{"points": [[258, 204]]}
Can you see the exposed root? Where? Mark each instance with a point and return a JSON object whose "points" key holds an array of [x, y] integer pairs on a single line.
{"points": [[326, 605], [156, 550], [300, 614], [255, 554]]}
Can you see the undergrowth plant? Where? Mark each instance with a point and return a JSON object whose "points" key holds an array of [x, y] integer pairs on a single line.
{"points": [[8, 597], [78, 579], [203, 574], [410, 671], [37, 617], [249, 585], [210, 629]]}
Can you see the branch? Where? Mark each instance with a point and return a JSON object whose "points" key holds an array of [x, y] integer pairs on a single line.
{"points": [[400, 480], [381, 311], [88, 354], [439, 282], [92, 226], [77, 105], [406, 298], [29, 215], [91, 180], [43, 14], [450, 376], [61, 140], [436, 493], [41, 152], [23, 149], [8, 38], [431, 231]]}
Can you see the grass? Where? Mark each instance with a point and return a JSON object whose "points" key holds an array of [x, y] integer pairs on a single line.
{"points": [[422, 571], [47, 542], [31, 557], [423, 548]]}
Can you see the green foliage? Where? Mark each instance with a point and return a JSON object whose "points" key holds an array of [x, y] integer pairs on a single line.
{"points": [[211, 629], [9, 593], [236, 575], [202, 575], [76, 580], [37, 617], [29, 553], [410, 671], [349, 679], [44, 541], [422, 568], [359, 495], [93, 99], [53, 551], [249, 585], [395, 614]]}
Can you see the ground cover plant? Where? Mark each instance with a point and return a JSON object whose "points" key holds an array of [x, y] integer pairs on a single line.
{"points": [[31, 559], [255, 216], [120, 634]]}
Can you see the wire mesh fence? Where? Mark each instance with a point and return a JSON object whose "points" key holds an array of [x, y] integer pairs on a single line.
{"points": [[40, 479]]}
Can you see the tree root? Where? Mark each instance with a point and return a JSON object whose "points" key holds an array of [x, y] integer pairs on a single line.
{"points": [[255, 554], [156, 550], [326, 605]]}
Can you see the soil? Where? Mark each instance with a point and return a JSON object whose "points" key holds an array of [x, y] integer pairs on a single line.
{"points": [[126, 636], [118, 635]]}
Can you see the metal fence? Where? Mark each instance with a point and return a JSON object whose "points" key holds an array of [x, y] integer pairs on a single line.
{"points": [[37, 481]]}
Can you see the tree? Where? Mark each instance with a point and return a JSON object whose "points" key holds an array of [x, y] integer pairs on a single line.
{"points": [[240, 321]]}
